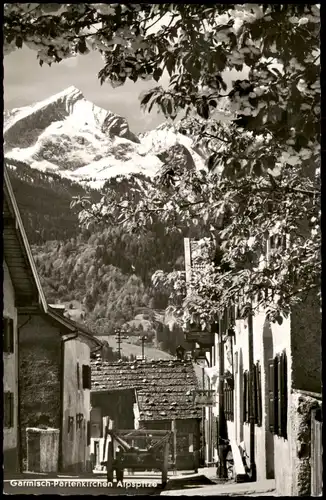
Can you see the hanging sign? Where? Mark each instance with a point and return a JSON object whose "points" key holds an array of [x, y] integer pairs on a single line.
{"points": [[204, 397]]}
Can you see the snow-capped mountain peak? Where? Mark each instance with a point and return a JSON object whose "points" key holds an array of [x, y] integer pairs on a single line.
{"points": [[68, 134]]}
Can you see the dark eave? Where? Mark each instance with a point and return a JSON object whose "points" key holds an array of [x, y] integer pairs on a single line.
{"points": [[18, 255]]}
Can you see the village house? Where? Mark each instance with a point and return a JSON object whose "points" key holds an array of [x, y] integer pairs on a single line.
{"points": [[55, 383], [267, 379], [46, 365], [156, 395], [21, 288]]}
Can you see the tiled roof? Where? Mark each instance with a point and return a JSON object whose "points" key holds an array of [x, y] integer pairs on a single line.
{"points": [[163, 387]]}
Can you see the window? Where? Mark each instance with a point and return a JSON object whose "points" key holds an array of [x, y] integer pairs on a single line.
{"points": [[79, 420], [278, 395], [87, 382], [257, 395], [70, 424], [8, 335], [8, 409], [78, 376]]}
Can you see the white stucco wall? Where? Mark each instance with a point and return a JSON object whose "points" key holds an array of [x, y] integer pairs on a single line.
{"points": [[10, 361], [270, 451], [75, 451]]}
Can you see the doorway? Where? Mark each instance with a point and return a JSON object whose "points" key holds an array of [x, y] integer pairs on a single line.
{"points": [[269, 437]]}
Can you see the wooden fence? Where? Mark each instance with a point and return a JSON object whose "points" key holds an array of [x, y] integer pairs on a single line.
{"points": [[316, 453]]}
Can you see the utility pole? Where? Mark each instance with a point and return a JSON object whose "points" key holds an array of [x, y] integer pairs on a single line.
{"points": [[118, 333], [143, 340]]}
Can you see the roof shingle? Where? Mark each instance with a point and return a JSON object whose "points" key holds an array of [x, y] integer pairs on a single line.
{"points": [[164, 387]]}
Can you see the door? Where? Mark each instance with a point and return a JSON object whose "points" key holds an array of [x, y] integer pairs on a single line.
{"points": [[97, 458], [268, 400]]}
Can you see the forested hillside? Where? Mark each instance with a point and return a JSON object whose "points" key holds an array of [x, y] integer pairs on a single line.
{"points": [[44, 202], [105, 273]]}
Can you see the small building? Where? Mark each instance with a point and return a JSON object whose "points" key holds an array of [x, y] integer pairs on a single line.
{"points": [[155, 395], [55, 383]]}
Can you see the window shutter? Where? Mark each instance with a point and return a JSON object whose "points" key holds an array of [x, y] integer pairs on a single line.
{"points": [[279, 393], [246, 397], [8, 409], [89, 378], [78, 377], [244, 416], [5, 334], [88, 432], [255, 408], [259, 397], [8, 335], [271, 395], [284, 402]]}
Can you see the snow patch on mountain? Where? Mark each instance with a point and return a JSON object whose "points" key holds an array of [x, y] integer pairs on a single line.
{"points": [[165, 137]]}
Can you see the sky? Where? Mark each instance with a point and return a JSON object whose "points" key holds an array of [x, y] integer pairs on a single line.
{"points": [[26, 82]]}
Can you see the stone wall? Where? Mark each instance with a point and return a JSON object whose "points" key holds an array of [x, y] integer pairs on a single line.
{"points": [[306, 345], [39, 375], [302, 406]]}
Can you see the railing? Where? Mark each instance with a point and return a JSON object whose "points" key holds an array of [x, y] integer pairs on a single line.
{"points": [[316, 453]]}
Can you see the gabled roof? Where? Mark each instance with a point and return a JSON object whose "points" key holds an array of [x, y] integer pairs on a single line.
{"points": [[163, 387], [73, 327], [17, 253]]}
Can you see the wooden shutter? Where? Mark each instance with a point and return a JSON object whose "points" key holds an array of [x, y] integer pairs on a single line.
{"points": [[5, 334], [244, 402], [8, 409], [271, 395], [88, 433], [259, 395], [246, 397], [255, 408], [284, 399], [78, 376], [8, 335], [278, 393]]}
